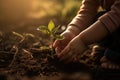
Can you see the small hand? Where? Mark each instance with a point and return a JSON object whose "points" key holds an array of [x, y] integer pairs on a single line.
{"points": [[72, 50], [59, 45]]}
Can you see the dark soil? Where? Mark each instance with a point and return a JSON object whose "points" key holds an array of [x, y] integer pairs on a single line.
{"points": [[22, 58]]}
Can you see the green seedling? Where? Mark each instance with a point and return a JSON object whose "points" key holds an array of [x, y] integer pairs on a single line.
{"points": [[51, 30]]}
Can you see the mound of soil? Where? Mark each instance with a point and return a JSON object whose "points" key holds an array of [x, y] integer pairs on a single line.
{"points": [[23, 57]]}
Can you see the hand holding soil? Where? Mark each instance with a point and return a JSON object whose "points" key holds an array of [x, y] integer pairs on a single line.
{"points": [[59, 45], [73, 50]]}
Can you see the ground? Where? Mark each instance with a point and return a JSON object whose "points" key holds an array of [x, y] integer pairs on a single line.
{"points": [[29, 57]]}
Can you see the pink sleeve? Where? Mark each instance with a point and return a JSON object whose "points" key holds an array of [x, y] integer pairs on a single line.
{"points": [[112, 18], [86, 14]]}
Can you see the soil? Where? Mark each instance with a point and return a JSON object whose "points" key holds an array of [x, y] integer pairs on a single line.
{"points": [[23, 57]]}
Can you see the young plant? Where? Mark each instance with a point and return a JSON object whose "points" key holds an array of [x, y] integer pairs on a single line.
{"points": [[51, 30]]}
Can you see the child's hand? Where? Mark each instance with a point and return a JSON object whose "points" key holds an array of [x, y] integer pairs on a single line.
{"points": [[72, 50], [59, 45]]}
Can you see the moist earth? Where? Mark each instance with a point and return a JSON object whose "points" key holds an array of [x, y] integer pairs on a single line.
{"points": [[29, 57]]}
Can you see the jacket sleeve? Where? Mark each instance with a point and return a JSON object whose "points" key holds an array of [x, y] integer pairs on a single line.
{"points": [[86, 14], [111, 19]]}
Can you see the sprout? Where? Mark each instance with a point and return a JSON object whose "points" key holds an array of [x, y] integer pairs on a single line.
{"points": [[51, 30]]}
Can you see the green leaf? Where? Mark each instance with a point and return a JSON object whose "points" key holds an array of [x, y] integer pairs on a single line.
{"points": [[51, 26], [59, 37], [56, 29], [43, 29]]}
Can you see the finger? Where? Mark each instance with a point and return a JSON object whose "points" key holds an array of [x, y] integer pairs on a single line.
{"points": [[72, 57], [56, 43], [58, 50], [64, 52], [59, 43], [66, 58], [69, 57]]}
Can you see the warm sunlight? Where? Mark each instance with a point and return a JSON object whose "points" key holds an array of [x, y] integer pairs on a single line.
{"points": [[59, 39], [21, 12]]}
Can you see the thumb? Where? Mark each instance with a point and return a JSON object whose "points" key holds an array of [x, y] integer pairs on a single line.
{"points": [[56, 43], [58, 50]]}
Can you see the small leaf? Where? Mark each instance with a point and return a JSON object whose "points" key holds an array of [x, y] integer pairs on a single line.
{"points": [[51, 26], [59, 37], [43, 29], [56, 29]]}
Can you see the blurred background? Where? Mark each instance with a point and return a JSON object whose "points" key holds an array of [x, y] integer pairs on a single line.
{"points": [[27, 15]]}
